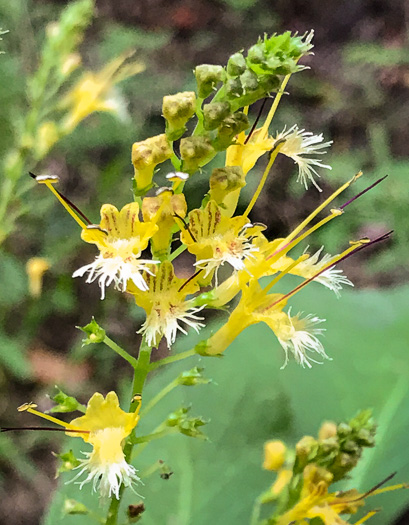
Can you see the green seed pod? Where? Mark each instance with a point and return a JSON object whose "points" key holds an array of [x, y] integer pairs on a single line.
{"points": [[233, 88], [207, 77], [365, 438], [350, 446], [249, 80], [214, 113], [344, 430], [236, 65]]}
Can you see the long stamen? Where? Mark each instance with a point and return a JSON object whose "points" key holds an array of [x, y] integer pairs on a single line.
{"points": [[274, 107], [185, 225], [290, 245], [355, 248], [51, 429], [28, 407], [48, 181], [374, 490], [363, 192], [190, 279], [300, 259], [366, 517], [273, 155], [310, 217]]}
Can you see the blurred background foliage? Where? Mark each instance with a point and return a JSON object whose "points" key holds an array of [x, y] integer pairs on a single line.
{"points": [[356, 93]]}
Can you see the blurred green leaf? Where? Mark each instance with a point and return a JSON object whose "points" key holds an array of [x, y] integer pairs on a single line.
{"points": [[253, 401], [13, 358], [13, 280]]}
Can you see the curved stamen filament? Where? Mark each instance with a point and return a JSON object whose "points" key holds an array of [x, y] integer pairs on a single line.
{"points": [[274, 106], [274, 152], [300, 259], [289, 246], [310, 217]]}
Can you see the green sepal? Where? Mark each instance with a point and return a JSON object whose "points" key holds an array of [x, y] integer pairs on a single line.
{"points": [[193, 377], [68, 462], [95, 333], [189, 426]]}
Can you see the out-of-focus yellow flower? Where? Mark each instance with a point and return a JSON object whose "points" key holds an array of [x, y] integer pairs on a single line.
{"points": [[93, 91], [105, 426], [35, 268], [70, 64], [48, 135], [274, 455], [166, 306], [120, 238]]}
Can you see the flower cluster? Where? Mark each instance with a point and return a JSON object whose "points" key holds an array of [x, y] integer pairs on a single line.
{"points": [[301, 490], [158, 219]]}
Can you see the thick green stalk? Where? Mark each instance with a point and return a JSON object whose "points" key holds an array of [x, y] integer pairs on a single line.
{"points": [[141, 370]]}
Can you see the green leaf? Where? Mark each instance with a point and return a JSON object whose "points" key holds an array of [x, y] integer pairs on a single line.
{"points": [[13, 358]]}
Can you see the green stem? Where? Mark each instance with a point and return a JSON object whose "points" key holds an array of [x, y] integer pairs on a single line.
{"points": [[177, 252], [120, 351], [255, 515], [155, 435], [141, 370], [159, 396], [172, 359]]}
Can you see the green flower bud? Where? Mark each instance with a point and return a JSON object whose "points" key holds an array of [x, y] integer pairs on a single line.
{"points": [[191, 427], [236, 65], [233, 88], [306, 449], [192, 377], [72, 507], [351, 447], [344, 430], [68, 462], [177, 110], [214, 113], [329, 446], [207, 77], [365, 438], [176, 417], [229, 128], [95, 333], [249, 81], [256, 54], [195, 152], [269, 83], [65, 403]]}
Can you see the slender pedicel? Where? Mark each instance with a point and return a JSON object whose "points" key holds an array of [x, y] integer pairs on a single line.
{"points": [[363, 243], [362, 192], [253, 127]]}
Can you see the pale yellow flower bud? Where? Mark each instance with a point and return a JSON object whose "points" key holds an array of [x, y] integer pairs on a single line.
{"points": [[35, 268], [328, 430], [274, 455]]}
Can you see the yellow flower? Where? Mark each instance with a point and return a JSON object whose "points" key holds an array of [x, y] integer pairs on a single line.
{"points": [[166, 306], [35, 268], [162, 210], [216, 239], [93, 92], [297, 335], [105, 426], [120, 238]]}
